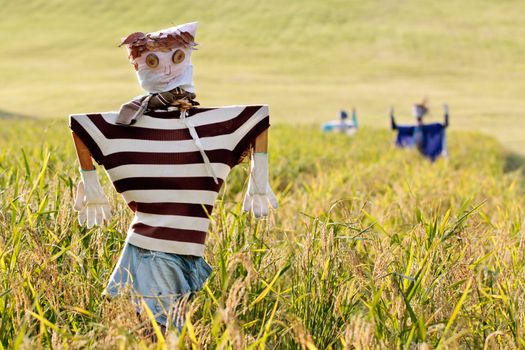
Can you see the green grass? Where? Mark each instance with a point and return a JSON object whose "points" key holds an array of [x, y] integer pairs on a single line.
{"points": [[372, 247], [307, 59]]}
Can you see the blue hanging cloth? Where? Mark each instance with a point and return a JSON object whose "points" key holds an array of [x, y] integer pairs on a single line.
{"points": [[429, 139], [405, 136]]}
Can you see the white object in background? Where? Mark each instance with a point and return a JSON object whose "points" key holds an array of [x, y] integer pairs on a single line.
{"points": [[343, 125]]}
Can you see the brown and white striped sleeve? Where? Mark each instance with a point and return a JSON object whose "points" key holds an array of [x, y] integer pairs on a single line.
{"points": [[250, 123], [84, 126]]}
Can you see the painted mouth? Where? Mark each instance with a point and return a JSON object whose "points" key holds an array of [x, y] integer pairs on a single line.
{"points": [[168, 80]]}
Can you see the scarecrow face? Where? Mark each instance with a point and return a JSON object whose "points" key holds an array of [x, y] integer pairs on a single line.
{"points": [[162, 59], [158, 70], [419, 111]]}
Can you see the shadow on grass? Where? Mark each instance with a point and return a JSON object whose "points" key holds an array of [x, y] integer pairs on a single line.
{"points": [[11, 115], [513, 162]]}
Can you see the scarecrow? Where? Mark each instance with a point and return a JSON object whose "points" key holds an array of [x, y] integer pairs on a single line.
{"points": [[168, 158], [342, 125], [429, 139]]}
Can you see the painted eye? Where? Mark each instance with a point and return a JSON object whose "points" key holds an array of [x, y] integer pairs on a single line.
{"points": [[152, 60], [178, 56]]}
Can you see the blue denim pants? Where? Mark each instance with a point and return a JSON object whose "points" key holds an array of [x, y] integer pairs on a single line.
{"points": [[162, 280]]}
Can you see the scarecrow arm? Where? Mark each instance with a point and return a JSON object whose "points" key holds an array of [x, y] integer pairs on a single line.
{"points": [[84, 156], [259, 196], [392, 119], [445, 110], [261, 142]]}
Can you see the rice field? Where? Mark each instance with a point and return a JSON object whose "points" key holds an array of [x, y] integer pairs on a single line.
{"points": [[372, 248]]}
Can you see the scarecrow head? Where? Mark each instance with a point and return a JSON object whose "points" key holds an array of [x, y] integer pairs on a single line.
{"points": [[419, 110], [162, 59]]}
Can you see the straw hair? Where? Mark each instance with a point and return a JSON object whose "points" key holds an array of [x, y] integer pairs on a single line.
{"points": [[137, 43]]}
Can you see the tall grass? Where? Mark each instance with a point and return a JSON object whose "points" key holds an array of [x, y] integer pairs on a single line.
{"points": [[372, 247]]}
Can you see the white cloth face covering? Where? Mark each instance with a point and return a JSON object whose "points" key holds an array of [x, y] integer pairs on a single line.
{"points": [[167, 75]]}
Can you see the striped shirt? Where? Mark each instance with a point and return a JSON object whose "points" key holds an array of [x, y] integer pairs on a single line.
{"points": [[157, 167]]}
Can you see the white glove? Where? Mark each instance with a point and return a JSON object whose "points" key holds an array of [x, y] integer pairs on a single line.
{"points": [[259, 193], [91, 202]]}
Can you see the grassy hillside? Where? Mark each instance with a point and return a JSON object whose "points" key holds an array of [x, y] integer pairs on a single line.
{"points": [[371, 247], [307, 58]]}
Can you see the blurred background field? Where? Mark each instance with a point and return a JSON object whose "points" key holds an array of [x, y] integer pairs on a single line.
{"points": [[307, 59]]}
